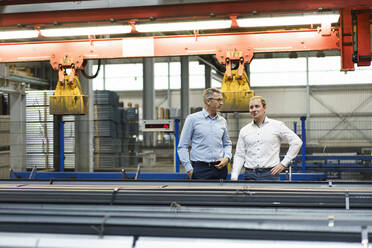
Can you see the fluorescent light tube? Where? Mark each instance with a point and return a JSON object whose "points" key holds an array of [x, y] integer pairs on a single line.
{"points": [[84, 31], [183, 26], [19, 34], [304, 19]]}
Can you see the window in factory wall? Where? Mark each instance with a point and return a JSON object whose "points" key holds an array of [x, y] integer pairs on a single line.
{"points": [[161, 75], [119, 77], [292, 72], [197, 76], [129, 76], [278, 72], [326, 71]]}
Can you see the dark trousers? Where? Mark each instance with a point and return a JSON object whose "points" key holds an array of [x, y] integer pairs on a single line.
{"points": [[207, 171], [260, 174]]}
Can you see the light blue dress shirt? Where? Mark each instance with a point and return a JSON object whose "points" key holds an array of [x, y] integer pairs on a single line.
{"points": [[208, 137]]}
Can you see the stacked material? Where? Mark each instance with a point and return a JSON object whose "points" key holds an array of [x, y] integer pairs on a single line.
{"points": [[40, 132], [107, 142], [115, 132], [4, 132], [4, 146], [131, 130], [124, 135], [274, 212]]}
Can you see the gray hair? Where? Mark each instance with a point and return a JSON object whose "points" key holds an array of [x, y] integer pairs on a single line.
{"points": [[208, 93]]}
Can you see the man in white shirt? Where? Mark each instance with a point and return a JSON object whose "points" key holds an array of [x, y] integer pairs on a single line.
{"points": [[258, 145]]}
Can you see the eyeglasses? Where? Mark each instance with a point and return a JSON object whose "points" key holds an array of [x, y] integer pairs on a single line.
{"points": [[216, 99]]}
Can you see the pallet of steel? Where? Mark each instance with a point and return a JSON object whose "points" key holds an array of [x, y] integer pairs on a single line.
{"points": [[106, 160], [196, 193], [106, 97], [107, 145], [40, 132], [231, 210]]}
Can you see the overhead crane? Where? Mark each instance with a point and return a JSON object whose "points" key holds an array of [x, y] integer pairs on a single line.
{"points": [[352, 38]]}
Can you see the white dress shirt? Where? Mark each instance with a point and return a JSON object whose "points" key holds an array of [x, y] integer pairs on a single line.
{"points": [[259, 146]]}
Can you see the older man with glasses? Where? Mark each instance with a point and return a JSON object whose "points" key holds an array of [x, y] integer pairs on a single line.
{"points": [[206, 131]]}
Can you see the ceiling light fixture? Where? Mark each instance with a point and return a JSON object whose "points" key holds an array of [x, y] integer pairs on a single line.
{"points": [[183, 26], [289, 20], [18, 34], [84, 31]]}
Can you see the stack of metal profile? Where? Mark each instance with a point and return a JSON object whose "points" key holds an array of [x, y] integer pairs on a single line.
{"points": [[40, 132], [107, 142], [242, 210], [123, 134], [131, 128], [69, 141]]}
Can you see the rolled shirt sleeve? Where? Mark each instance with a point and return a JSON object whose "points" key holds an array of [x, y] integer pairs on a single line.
{"points": [[227, 144], [238, 158], [293, 141]]}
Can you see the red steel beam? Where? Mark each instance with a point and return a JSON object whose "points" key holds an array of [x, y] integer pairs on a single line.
{"points": [[55, 51], [176, 11], [15, 2], [346, 28], [364, 39]]}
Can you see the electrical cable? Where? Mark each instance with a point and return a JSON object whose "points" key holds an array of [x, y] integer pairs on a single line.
{"points": [[91, 76]]}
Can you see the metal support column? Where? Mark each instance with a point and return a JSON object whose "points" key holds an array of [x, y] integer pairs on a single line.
{"points": [[208, 76], [184, 88], [169, 86], [62, 146], [307, 88], [57, 119], [303, 149], [148, 97], [17, 102], [84, 126], [176, 142], [295, 131]]}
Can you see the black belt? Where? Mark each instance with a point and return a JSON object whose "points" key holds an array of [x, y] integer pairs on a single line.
{"points": [[259, 169], [206, 163]]}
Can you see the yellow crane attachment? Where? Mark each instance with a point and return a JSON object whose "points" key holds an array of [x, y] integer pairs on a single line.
{"points": [[236, 92], [68, 98], [235, 83]]}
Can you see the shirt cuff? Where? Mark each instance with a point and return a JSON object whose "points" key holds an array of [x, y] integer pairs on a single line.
{"points": [[285, 162], [188, 167]]}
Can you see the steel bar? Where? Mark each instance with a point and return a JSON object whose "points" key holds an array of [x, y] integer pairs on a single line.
{"points": [[223, 194], [335, 212], [180, 221]]}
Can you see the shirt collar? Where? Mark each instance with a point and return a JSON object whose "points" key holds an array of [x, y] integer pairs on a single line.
{"points": [[265, 121], [206, 114]]}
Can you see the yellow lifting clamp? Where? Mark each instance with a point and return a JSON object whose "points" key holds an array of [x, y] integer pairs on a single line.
{"points": [[68, 98], [235, 84]]}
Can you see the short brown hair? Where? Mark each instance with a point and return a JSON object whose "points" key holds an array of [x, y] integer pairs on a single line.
{"points": [[263, 101]]}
